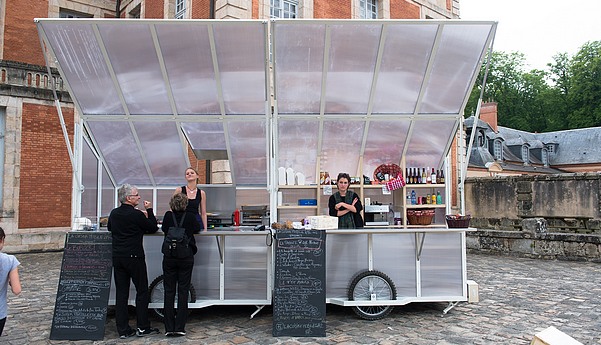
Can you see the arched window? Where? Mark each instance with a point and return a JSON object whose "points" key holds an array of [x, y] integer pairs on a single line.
{"points": [[498, 149], [525, 154], [545, 157], [480, 139]]}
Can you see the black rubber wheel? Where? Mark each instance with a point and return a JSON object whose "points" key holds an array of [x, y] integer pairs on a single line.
{"points": [[369, 286], [157, 294]]}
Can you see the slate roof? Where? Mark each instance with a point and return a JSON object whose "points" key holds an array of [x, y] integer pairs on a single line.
{"points": [[575, 146]]}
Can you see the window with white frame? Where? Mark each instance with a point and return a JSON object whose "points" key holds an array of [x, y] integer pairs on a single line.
{"points": [[498, 149], [545, 157], [284, 9], [551, 148], [525, 154], [369, 9], [180, 9]]}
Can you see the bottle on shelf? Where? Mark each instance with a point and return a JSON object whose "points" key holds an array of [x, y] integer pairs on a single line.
{"points": [[442, 176], [428, 199], [413, 198], [434, 198], [433, 176], [428, 176], [424, 178], [438, 198]]}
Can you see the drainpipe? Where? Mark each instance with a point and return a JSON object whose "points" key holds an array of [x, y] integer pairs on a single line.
{"points": [[118, 9], [212, 9]]}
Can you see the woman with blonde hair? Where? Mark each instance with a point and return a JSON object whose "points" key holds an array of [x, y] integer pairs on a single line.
{"points": [[197, 201]]}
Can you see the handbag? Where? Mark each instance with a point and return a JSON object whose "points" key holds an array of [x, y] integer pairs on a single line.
{"points": [[357, 219]]}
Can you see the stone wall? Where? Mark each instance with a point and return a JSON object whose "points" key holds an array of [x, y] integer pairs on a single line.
{"points": [[546, 216], [568, 202]]}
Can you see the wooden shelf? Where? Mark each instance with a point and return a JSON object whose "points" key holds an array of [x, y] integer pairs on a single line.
{"points": [[427, 206], [297, 207], [297, 186], [424, 185]]}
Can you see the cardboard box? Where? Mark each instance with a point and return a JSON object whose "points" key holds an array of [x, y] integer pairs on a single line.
{"points": [[553, 336], [472, 292], [323, 222]]}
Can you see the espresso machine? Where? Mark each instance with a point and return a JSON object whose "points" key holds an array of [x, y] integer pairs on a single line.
{"points": [[376, 214]]}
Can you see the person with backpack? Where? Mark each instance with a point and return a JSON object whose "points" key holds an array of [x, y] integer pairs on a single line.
{"points": [[179, 247]]}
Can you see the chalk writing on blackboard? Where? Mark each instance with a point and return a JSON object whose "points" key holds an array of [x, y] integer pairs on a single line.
{"points": [[299, 287], [83, 288]]}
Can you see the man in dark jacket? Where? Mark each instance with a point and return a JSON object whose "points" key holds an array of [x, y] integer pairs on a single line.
{"points": [[128, 226]]}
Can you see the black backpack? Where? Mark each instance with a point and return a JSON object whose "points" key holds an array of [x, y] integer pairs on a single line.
{"points": [[177, 242]]}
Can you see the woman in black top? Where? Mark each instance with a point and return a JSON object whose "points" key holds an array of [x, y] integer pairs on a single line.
{"points": [[197, 201], [177, 272], [344, 204]]}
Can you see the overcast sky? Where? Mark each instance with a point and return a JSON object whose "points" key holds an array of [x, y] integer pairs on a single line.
{"points": [[538, 28]]}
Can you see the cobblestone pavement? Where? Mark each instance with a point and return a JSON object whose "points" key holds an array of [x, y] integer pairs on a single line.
{"points": [[518, 298]]}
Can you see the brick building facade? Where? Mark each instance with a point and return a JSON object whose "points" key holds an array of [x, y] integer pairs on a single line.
{"points": [[37, 176]]}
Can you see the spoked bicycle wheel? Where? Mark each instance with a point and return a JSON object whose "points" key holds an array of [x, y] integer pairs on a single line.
{"points": [[157, 294], [372, 286]]}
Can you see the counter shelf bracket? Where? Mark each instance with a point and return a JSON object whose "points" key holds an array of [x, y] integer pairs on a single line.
{"points": [[450, 306], [219, 247], [419, 238], [370, 252], [259, 308]]}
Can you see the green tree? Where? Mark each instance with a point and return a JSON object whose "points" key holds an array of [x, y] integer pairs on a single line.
{"points": [[557, 98], [518, 93], [584, 95], [566, 96]]}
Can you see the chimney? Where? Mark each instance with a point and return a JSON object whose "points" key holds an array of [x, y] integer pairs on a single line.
{"points": [[488, 114]]}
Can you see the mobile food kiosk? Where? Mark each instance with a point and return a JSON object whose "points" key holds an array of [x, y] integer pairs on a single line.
{"points": [[307, 95]]}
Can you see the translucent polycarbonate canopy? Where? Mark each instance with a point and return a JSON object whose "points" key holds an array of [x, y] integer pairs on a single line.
{"points": [[333, 95]]}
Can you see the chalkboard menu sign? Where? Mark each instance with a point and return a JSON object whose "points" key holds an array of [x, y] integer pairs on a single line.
{"points": [[83, 287], [299, 298]]}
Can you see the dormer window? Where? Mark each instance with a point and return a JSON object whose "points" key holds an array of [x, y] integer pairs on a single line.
{"points": [[525, 154], [498, 150]]}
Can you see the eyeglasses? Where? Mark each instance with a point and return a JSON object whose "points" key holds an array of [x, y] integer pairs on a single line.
{"points": [[134, 195]]}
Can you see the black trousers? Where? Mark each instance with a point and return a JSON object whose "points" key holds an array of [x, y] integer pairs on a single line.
{"points": [[177, 274], [2, 322], [124, 270]]}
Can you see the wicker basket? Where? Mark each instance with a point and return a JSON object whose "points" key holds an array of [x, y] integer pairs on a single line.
{"points": [[457, 221], [420, 217], [391, 169]]}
